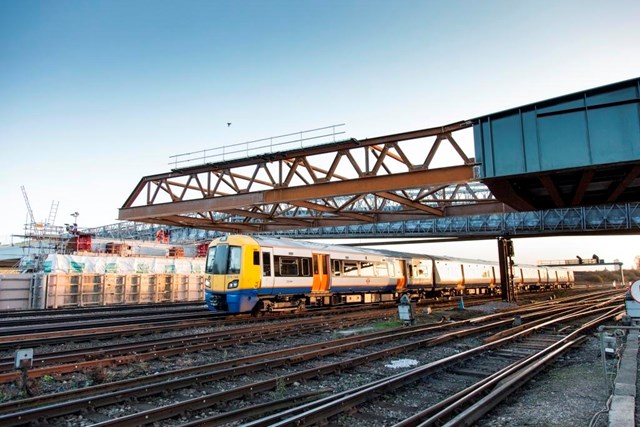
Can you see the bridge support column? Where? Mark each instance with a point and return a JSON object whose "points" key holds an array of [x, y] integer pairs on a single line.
{"points": [[505, 254]]}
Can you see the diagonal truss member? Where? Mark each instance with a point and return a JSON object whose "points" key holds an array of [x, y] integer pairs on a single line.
{"points": [[382, 179]]}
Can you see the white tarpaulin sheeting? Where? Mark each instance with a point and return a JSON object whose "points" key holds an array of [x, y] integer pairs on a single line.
{"points": [[122, 265]]}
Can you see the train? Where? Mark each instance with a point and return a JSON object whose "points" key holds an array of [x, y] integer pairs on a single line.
{"points": [[263, 273]]}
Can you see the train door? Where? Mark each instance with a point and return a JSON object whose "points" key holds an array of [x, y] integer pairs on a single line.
{"points": [[401, 281], [267, 271], [320, 273]]}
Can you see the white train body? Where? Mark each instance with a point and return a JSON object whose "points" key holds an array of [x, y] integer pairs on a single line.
{"points": [[265, 273]]}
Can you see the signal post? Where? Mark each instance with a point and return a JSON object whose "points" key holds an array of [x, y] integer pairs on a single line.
{"points": [[505, 260]]}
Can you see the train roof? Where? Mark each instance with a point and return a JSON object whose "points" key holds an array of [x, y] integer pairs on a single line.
{"points": [[277, 241], [305, 244]]}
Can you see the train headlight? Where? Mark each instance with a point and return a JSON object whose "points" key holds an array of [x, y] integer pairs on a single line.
{"points": [[232, 284], [207, 283]]}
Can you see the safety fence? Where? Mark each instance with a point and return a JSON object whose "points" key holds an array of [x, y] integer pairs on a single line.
{"points": [[58, 290]]}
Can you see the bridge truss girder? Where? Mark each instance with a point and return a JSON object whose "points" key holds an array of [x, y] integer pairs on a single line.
{"points": [[384, 179], [588, 220]]}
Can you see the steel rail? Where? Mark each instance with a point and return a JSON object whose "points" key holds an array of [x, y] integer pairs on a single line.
{"points": [[158, 414], [151, 351], [84, 333], [518, 378], [320, 413], [70, 396], [165, 376], [256, 410], [221, 370], [577, 310], [445, 407], [43, 359], [6, 314], [72, 325]]}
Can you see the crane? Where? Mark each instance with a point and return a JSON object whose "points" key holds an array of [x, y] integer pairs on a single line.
{"points": [[26, 200], [34, 226]]}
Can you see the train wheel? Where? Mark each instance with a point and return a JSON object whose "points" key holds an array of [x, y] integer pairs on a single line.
{"points": [[258, 309]]}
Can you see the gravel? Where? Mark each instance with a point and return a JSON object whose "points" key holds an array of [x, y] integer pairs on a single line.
{"points": [[570, 393]]}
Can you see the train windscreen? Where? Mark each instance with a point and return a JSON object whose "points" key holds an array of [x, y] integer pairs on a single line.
{"points": [[223, 259]]}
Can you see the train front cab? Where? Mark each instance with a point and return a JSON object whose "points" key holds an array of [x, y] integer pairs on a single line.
{"points": [[233, 274]]}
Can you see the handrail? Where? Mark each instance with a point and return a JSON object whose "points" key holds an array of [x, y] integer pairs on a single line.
{"points": [[244, 149]]}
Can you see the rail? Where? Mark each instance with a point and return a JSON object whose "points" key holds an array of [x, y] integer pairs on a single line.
{"points": [[258, 146]]}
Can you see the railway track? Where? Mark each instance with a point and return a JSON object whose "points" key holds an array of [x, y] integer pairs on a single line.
{"points": [[48, 322], [210, 390], [134, 323], [469, 384], [98, 310], [67, 361], [14, 322]]}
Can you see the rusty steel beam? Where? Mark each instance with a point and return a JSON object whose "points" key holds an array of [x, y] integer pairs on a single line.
{"points": [[281, 195], [581, 187], [551, 188], [341, 219], [341, 183], [504, 191], [622, 185], [410, 203]]}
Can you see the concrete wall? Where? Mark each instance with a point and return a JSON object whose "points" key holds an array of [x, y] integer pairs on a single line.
{"points": [[15, 291]]}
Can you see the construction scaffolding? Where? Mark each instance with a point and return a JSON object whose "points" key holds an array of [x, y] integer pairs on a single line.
{"points": [[40, 238]]}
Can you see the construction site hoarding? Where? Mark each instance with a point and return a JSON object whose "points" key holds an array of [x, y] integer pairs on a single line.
{"points": [[57, 263]]}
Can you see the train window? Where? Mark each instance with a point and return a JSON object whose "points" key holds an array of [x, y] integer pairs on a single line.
{"points": [[366, 269], [266, 263], [211, 260], [288, 266], [392, 269], [218, 259], [316, 259], [224, 259], [381, 269], [256, 258], [350, 268], [325, 266], [305, 267], [234, 259], [335, 267]]}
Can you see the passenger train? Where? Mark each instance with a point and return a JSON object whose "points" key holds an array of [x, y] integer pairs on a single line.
{"points": [[260, 273]]}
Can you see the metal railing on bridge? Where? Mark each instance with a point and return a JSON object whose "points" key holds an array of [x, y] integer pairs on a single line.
{"points": [[302, 139], [618, 218]]}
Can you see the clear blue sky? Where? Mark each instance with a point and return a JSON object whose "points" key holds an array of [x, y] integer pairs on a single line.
{"points": [[96, 94]]}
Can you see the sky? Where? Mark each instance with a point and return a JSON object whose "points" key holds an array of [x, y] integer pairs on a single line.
{"points": [[94, 95]]}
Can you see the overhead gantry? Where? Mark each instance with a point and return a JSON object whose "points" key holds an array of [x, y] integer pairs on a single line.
{"points": [[384, 179]]}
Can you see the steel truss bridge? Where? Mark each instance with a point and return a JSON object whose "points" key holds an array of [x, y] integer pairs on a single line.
{"points": [[606, 219], [385, 179], [578, 156]]}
